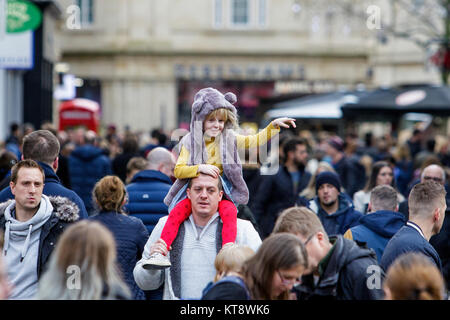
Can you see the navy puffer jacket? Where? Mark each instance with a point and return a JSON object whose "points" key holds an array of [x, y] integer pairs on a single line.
{"points": [[130, 235], [87, 165], [146, 193]]}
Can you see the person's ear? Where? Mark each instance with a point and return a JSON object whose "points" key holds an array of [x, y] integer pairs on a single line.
{"points": [[12, 185], [320, 236], [55, 164], [220, 195], [188, 193], [436, 214], [387, 293]]}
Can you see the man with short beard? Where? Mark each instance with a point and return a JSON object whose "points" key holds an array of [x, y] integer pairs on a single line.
{"points": [[334, 209], [281, 190]]}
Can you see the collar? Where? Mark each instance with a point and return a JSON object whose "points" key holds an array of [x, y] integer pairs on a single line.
{"points": [[415, 226], [324, 262], [211, 221]]}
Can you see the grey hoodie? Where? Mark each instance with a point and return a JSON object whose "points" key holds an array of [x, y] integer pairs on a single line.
{"points": [[21, 248]]}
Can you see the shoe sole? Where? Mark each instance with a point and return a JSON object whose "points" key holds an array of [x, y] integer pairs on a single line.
{"points": [[148, 266]]}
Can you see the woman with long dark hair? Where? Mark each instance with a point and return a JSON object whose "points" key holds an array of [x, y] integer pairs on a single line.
{"points": [[382, 173]]}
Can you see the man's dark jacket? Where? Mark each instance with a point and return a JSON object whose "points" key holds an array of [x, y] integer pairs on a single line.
{"points": [[87, 165], [351, 173], [52, 187], [146, 193], [339, 222], [408, 239], [65, 212], [275, 193], [351, 273]]}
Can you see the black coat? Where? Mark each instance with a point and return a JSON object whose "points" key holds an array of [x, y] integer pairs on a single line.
{"points": [[60, 219], [275, 193], [345, 276]]}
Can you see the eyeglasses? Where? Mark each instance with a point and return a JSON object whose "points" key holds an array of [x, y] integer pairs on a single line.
{"points": [[288, 282], [439, 180], [309, 239]]}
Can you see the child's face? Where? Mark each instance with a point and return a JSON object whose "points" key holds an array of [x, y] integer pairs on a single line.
{"points": [[213, 126]]}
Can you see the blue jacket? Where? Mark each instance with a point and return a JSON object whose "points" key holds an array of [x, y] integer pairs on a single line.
{"points": [[87, 165], [130, 235], [146, 193], [343, 219], [408, 239], [52, 187], [377, 228]]}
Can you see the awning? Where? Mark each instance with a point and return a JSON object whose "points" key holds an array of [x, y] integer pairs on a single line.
{"points": [[321, 106], [394, 102]]}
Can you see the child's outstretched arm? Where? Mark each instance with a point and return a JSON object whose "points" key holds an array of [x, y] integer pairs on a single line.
{"points": [[261, 138]]}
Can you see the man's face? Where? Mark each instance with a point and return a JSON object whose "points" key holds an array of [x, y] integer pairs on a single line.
{"points": [[328, 194], [300, 155], [433, 173], [28, 188], [314, 249], [330, 150], [204, 195], [168, 167]]}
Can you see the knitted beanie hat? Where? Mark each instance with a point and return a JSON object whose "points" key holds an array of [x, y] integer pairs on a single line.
{"points": [[336, 143], [330, 178]]}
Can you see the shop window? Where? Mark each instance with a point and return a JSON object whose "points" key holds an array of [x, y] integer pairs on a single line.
{"points": [[86, 12]]}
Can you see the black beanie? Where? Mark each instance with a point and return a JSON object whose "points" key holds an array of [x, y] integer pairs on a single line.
{"points": [[328, 177]]}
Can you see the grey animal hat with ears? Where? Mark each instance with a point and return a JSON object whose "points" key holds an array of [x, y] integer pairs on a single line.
{"points": [[206, 101]]}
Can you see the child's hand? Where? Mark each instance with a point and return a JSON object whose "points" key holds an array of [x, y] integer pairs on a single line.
{"points": [[283, 122], [160, 246], [209, 169]]}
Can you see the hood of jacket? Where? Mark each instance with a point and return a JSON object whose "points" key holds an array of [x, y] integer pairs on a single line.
{"points": [[87, 152], [63, 208], [385, 223], [345, 252]]}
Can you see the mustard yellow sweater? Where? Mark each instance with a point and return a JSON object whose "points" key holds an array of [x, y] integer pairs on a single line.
{"points": [[184, 171]]}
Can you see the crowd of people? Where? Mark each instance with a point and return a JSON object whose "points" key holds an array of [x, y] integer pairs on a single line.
{"points": [[132, 216]]}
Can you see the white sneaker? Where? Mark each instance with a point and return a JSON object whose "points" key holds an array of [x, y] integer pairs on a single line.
{"points": [[156, 261]]}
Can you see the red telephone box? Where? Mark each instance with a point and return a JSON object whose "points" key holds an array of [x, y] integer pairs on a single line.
{"points": [[79, 112]]}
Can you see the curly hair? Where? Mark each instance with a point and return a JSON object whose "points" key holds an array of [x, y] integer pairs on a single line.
{"points": [[110, 193]]}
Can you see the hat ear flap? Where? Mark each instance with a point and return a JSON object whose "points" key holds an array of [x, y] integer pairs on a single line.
{"points": [[198, 106], [230, 97]]}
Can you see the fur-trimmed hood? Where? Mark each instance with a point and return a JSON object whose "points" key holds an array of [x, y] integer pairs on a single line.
{"points": [[63, 208]]}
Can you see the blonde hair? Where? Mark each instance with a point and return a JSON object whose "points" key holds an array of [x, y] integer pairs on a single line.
{"points": [[299, 220], [226, 115], [413, 276], [109, 193], [90, 247], [231, 258]]}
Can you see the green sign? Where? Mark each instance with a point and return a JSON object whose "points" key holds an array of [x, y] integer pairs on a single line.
{"points": [[22, 16]]}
